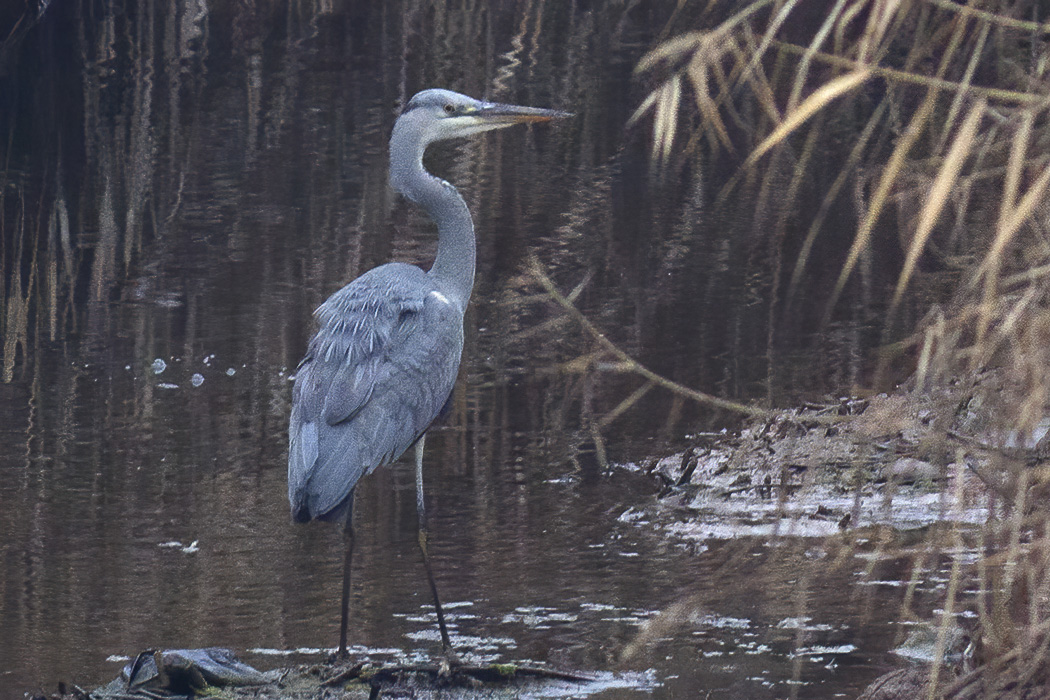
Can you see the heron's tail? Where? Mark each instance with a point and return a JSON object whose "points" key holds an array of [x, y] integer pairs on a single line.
{"points": [[301, 512], [341, 513]]}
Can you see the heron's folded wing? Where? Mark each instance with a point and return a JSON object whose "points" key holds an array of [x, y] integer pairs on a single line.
{"points": [[377, 373], [358, 325]]}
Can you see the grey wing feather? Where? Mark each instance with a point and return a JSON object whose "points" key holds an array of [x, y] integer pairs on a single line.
{"points": [[377, 373]]}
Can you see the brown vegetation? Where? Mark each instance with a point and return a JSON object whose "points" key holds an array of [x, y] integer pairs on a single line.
{"points": [[932, 118], [842, 195]]}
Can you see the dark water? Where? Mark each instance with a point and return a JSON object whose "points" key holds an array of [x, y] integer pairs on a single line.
{"points": [[186, 182]]}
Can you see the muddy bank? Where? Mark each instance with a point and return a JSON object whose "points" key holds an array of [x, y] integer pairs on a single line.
{"points": [[941, 472], [904, 461]]}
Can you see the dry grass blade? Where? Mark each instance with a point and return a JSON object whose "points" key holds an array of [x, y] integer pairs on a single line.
{"points": [[1008, 222], [882, 15], [665, 101], [833, 192], [1000, 20], [946, 178], [1009, 227], [698, 76], [1011, 97], [931, 337], [1010, 319], [677, 47], [670, 50], [624, 405], [761, 90], [948, 607], [1026, 276], [770, 32], [890, 173], [665, 120], [819, 100], [644, 107], [967, 79], [803, 67], [1015, 166], [1032, 198], [709, 49]]}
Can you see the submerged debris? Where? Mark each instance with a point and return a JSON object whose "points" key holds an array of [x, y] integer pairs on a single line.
{"points": [[443, 675], [178, 674]]}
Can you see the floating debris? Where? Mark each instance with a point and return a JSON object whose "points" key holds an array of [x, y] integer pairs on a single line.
{"points": [[158, 366], [182, 673], [197, 379], [190, 548]]}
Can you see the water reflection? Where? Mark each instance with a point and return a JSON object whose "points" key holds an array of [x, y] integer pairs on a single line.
{"points": [[211, 173], [532, 562]]}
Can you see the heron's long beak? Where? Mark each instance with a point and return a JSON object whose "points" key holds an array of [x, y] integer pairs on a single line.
{"points": [[499, 115], [493, 115]]}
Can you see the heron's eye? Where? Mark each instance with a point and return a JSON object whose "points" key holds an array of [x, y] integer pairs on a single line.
{"points": [[449, 109]]}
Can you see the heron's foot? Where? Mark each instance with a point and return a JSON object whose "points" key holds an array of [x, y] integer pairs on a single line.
{"points": [[339, 657], [449, 662]]}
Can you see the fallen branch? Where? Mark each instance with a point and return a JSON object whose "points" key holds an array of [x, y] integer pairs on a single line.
{"points": [[630, 363], [444, 674]]}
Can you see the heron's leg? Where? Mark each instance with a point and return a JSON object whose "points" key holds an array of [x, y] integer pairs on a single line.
{"points": [[421, 512], [348, 536]]}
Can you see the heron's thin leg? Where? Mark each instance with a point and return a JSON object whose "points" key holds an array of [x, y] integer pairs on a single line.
{"points": [[421, 512], [348, 535]]}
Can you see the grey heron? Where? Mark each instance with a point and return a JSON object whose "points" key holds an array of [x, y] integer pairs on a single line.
{"points": [[384, 360]]}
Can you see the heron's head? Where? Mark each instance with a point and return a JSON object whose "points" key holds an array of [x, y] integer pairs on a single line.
{"points": [[437, 115]]}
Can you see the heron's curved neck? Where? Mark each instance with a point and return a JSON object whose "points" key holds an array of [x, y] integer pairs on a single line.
{"points": [[453, 268]]}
